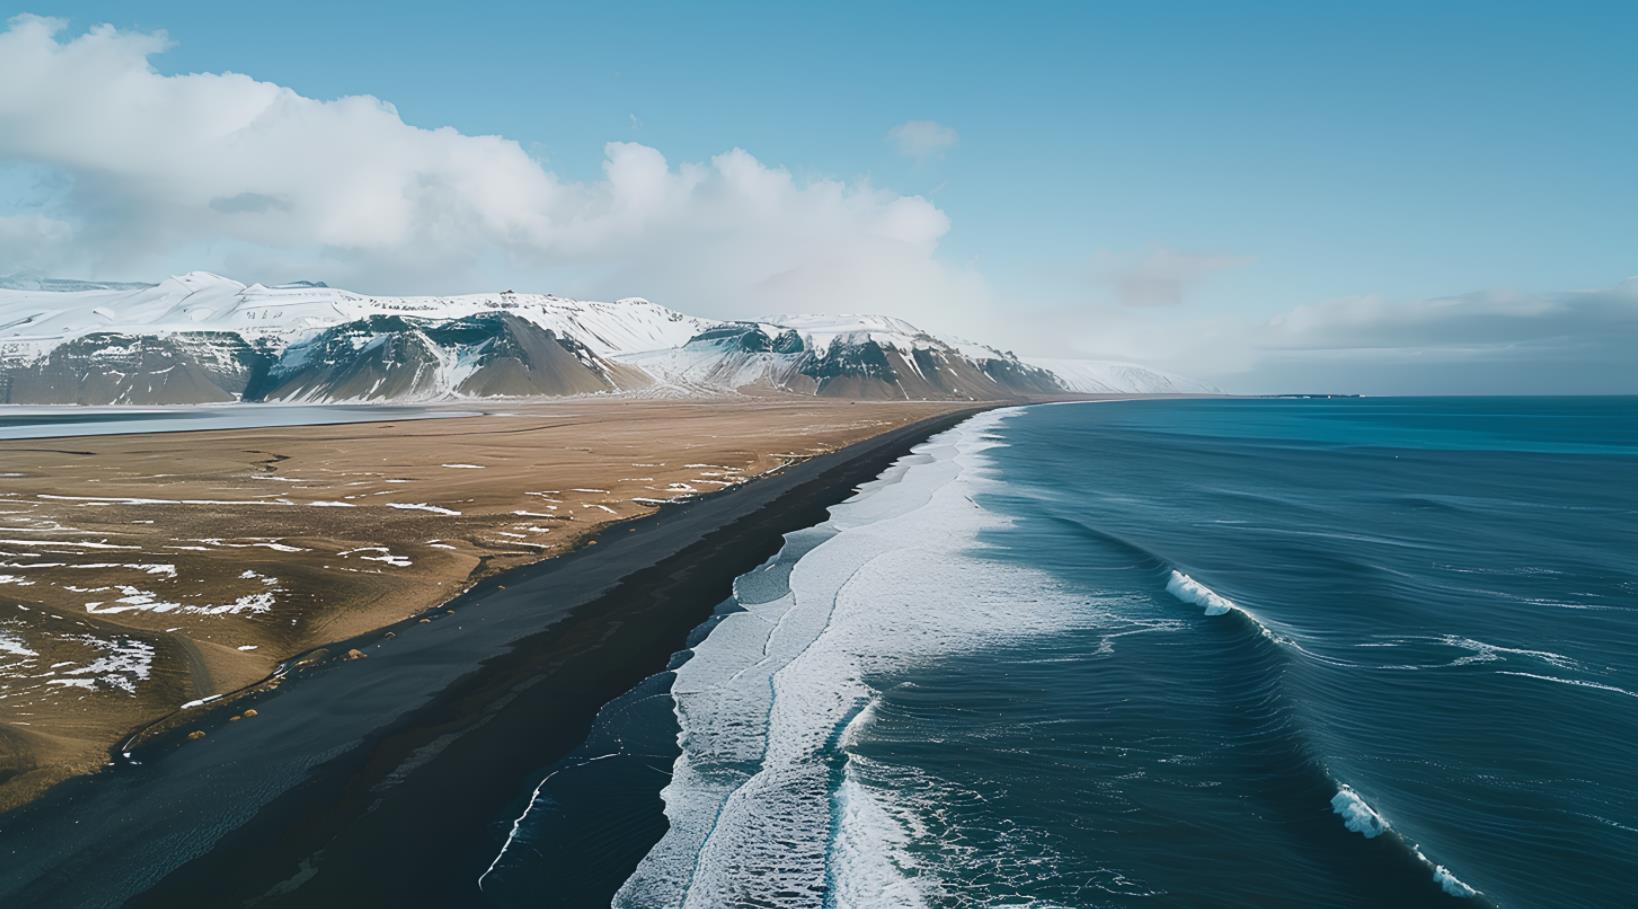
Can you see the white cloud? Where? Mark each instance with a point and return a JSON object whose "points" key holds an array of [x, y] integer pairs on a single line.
{"points": [[33, 238], [1158, 277], [1568, 342], [121, 172], [920, 140], [235, 174], [1492, 342]]}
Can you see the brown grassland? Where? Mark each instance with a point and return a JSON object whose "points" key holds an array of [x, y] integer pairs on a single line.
{"points": [[142, 572]]}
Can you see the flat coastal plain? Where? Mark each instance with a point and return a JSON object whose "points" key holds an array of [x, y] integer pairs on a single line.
{"points": [[143, 573]]}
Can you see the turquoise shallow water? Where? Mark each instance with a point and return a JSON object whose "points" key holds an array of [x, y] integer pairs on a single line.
{"points": [[1173, 653]]}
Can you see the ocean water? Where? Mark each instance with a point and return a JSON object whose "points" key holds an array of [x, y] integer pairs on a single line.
{"points": [[1164, 653]]}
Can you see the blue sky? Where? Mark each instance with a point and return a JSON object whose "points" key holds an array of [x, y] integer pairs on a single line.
{"points": [[1248, 160]]}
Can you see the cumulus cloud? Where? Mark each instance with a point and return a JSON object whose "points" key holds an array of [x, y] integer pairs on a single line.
{"points": [[1157, 277], [920, 140], [248, 174]]}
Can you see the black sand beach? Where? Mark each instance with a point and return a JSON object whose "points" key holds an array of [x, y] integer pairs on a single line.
{"points": [[377, 781]]}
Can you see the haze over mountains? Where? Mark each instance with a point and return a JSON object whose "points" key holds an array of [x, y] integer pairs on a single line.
{"points": [[202, 338]]}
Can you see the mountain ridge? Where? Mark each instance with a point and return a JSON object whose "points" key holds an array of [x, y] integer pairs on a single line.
{"points": [[200, 337]]}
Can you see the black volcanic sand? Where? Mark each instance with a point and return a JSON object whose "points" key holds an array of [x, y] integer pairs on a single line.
{"points": [[380, 781]]}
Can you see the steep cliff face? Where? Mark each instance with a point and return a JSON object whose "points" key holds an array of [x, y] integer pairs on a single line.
{"points": [[395, 358], [863, 363], [117, 368], [199, 338], [860, 366], [381, 358], [739, 357]]}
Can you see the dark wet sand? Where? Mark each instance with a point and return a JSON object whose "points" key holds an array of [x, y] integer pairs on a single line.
{"points": [[391, 780]]}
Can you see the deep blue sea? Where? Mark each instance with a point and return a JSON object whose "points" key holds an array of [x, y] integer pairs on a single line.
{"points": [[1272, 653]]}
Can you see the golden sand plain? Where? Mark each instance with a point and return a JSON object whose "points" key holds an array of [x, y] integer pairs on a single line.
{"points": [[142, 572]]}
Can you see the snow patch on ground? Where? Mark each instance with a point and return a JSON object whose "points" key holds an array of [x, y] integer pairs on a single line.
{"points": [[422, 506]]}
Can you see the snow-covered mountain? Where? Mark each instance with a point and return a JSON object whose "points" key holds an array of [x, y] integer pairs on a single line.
{"points": [[1104, 377], [861, 357], [200, 337], [36, 320]]}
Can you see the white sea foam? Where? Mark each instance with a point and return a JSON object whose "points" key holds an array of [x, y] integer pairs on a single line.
{"points": [[775, 691], [534, 797], [1357, 814], [1447, 882], [1361, 818], [1482, 652], [1578, 683], [1189, 590], [869, 856]]}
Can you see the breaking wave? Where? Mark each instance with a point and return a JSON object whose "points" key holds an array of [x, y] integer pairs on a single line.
{"points": [[1359, 817], [765, 805], [788, 789], [1189, 590]]}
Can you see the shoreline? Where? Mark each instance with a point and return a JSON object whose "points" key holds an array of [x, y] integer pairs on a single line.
{"points": [[408, 755], [202, 555]]}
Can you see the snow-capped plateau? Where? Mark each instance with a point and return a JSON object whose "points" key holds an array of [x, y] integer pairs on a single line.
{"points": [[202, 338]]}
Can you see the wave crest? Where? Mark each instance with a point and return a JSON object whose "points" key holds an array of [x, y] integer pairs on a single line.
{"points": [[1357, 814], [1359, 817], [1189, 590], [764, 805]]}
